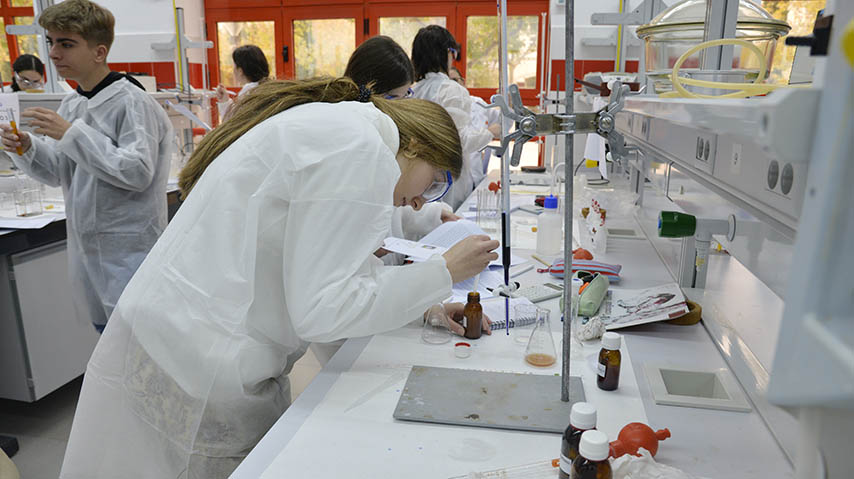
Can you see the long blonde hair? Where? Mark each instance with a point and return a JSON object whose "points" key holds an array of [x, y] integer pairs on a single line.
{"points": [[426, 130]]}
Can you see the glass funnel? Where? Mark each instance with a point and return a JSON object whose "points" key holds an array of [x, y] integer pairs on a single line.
{"points": [[541, 347]]}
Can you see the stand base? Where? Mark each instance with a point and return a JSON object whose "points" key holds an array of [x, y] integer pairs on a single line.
{"points": [[464, 397]]}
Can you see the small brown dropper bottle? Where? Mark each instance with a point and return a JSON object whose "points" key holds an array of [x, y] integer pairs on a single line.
{"points": [[582, 417], [592, 461], [609, 362], [473, 312]]}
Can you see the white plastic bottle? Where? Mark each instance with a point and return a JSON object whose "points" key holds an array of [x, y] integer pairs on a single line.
{"points": [[549, 233]]}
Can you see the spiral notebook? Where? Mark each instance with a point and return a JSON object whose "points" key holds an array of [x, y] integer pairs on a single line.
{"points": [[522, 312]]}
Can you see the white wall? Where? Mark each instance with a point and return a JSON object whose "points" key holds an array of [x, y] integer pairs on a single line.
{"points": [[143, 22], [584, 29]]}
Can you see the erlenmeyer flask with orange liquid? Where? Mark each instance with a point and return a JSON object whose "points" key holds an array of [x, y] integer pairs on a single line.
{"points": [[541, 347]]}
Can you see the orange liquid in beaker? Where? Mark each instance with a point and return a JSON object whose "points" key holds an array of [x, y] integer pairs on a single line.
{"points": [[540, 360]]}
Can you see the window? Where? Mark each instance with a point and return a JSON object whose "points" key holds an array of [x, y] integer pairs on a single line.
{"points": [[26, 43], [483, 48], [323, 46], [403, 29], [15, 12], [801, 15], [231, 35]]}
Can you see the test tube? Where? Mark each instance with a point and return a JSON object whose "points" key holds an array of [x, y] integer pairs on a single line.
{"points": [[19, 150]]}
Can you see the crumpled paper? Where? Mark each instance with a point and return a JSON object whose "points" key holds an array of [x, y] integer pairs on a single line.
{"points": [[628, 466]]}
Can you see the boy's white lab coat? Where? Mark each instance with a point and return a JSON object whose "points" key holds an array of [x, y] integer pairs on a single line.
{"points": [[273, 248], [113, 165]]}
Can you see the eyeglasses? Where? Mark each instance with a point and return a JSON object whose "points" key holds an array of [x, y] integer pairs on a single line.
{"points": [[408, 94], [456, 53], [439, 188], [28, 84]]}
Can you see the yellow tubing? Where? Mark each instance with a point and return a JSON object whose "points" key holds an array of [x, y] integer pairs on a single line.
{"points": [[744, 90]]}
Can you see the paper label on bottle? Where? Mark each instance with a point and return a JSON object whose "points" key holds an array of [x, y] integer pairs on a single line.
{"points": [[565, 464], [601, 369]]}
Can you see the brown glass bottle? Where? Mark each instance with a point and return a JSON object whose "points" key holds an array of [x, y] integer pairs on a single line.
{"points": [[582, 418], [473, 312], [569, 449], [586, 469], [592, 461], [608, 377]]}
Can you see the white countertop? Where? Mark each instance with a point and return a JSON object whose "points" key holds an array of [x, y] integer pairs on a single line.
{"points": [[343, 421]]}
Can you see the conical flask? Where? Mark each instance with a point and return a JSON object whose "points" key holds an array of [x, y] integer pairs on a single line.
{"points": [[541, 347]]}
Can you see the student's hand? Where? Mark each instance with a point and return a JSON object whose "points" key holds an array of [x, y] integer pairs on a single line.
{"points": [[11, 141], [47, 122], [448, 216], [221, 94], [380, 252], [470, 256], [454, 315], [495, 129]]}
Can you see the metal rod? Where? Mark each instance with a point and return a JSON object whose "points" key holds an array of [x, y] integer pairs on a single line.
{"points": [[569, 85], [543, 64], [503, 85]]}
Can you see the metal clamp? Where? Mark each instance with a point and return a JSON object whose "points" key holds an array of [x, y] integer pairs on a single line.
{"points": [[530, 125]]}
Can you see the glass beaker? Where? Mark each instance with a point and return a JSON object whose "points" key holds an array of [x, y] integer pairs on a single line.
{"points": [[435, 329], [488, 210], [541, 347], [28, 201]]}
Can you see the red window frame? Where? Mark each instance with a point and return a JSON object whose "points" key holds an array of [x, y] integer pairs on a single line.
{"points": [[366, 13], [8, 12], [378, 9], [467, 9], [214, 16], [290, 14]]}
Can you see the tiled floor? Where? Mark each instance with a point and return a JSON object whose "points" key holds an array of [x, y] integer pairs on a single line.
{"points": [[42, 428]]}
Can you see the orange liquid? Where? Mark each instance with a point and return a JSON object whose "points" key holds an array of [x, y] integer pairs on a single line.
{"points": [[540, 360], [18, 150]]}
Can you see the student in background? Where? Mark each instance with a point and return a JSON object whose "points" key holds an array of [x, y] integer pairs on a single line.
{"points": [[480, 117], [27, 74], [250, 69], [433, 53]]}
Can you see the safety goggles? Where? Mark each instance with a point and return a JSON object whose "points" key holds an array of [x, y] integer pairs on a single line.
{"points": [[439, 188], [28, 84], [455, 52], [408, 94]]}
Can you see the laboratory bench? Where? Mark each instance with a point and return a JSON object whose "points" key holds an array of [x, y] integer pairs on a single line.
{"points": [[342, 423], [43, 345]]}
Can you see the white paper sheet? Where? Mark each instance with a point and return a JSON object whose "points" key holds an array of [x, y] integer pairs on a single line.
{"points": [[413, 249], [31, 223]]}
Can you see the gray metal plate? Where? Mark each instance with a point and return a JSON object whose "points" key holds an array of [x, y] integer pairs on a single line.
{"points": [[465, 397]]}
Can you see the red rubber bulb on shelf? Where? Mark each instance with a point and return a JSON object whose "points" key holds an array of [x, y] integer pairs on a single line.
{"points": [[637, 435]]}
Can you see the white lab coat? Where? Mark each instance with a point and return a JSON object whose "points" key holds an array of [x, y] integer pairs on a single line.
{"points": [[224, 106], [481, 117], [405, 223], [274, 247], [113, 165], [455, 99]]}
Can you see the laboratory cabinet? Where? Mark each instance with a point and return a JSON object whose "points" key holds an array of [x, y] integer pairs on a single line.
{"points": [[43, 345]]}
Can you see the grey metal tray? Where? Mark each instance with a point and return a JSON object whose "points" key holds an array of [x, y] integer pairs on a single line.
{"points": [[465, 397]]}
